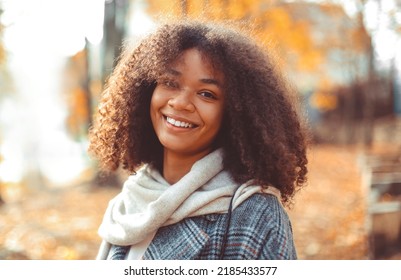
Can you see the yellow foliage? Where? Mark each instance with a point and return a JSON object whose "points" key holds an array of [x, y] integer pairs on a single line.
{"points": [[76, 94], [211, 9], [359, 39], [2, 54], [324, 101], [171, 8], [78, 116], [291, 37], [66, 253], [310, 60], [273, 23], [288, 31], [12, 192], [2, 50]]}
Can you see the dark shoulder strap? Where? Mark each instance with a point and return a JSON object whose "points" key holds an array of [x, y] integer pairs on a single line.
{"points": [[118, 252], [224, 242]]}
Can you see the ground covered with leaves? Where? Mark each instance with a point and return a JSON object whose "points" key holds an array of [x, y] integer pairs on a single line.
{"points": [[329, 214]]}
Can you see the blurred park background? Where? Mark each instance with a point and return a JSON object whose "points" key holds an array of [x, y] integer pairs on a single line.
{"points": [[343, 57]]}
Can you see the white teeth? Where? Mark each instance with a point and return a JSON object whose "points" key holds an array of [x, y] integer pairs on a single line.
{"points": [[178, 123]]}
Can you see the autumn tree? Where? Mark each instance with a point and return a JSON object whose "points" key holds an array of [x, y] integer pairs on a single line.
{"points": [[270, 23], [82, 87], [378, 86], [76, 94], [303, 35]]}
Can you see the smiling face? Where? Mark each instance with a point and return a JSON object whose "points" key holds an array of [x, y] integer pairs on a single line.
{"points": [[187, 105]]}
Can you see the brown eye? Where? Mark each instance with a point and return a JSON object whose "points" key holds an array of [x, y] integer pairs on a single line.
{"points": [[207, 95]]}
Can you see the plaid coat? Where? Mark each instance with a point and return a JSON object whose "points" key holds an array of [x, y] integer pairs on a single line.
{"points": [[259, 229]]}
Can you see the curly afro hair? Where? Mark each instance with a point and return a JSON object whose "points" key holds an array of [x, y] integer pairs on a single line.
{"points": [[261, 135]]}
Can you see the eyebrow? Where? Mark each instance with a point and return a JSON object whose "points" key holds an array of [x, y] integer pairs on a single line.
{"points": [[203, 80]]}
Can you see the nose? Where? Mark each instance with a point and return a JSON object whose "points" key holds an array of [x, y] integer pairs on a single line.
{"points": [[181, 101]]}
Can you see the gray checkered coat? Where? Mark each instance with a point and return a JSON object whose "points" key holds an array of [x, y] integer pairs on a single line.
{"points": [[259, 229]]}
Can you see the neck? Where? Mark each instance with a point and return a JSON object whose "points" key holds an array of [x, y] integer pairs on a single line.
{"points": [[176, 165]]}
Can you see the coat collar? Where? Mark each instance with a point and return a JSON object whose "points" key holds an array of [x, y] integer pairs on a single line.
{"points": [[181, 241]]}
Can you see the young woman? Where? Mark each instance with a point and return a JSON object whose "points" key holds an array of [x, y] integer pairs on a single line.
{"points": [[199, 115]]}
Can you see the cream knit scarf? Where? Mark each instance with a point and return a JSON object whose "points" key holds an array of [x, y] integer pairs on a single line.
{"points": [[147, 202]]}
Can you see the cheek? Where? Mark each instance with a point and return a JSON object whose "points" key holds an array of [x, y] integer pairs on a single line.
{"points": [[154, 107], [214, 117], [220, 117], [159, 99]]}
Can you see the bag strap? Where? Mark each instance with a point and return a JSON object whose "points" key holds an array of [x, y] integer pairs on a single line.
{"points": [[223, 245]]}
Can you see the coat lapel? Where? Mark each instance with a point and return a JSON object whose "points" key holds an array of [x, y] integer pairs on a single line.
{"points": [[177, 242]]}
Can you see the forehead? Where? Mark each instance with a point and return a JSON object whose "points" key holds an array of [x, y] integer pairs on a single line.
{"points": [[196, 58]]}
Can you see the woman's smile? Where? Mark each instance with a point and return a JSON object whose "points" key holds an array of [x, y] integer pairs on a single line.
{"points": [[179, 123]]}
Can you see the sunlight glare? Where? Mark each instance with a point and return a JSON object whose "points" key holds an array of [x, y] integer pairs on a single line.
{"points": [[39, 37], [12, 165], [139, 22], [60, 158]]}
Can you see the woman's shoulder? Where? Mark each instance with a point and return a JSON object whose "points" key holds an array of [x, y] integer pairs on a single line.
{"points": [[263, 209], [262, 222], [261, 202]]}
